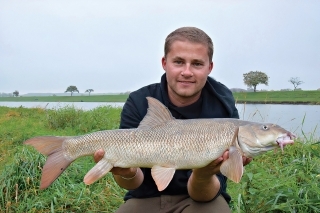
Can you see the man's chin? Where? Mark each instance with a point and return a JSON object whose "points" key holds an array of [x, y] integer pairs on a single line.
{"points": [[187, 93]]}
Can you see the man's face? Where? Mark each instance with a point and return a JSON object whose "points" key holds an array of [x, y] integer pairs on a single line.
{"points": [[187, 67]]}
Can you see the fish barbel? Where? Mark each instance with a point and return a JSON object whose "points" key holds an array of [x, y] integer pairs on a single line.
{"points": [[163, 144]]}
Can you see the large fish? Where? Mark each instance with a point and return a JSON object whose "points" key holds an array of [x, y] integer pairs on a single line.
{"points": [[164, 144]]}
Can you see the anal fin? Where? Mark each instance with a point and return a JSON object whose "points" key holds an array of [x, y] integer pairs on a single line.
{"points": [[162, 176]]}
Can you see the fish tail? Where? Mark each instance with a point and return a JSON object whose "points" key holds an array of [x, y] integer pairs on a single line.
{"points": [[56, 162]]}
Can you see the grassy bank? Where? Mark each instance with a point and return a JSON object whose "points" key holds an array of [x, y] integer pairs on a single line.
{"points": [[270, 97], [279, 97], [273, 182]]}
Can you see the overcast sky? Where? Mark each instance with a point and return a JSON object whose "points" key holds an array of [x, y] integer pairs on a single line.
{"points": [[116, 46]]}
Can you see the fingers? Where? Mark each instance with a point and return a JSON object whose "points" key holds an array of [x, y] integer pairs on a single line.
{"points": [[246, 160], [98, 155], [225, 155], [217, 161], [123, 171]]}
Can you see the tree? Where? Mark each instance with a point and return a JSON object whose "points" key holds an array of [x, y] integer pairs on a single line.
{"points": [[253, 78], [89, 91], [72, 89], [296, 82], [16, 93]]}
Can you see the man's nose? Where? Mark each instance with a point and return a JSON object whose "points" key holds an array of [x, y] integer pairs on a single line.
{"points": [[186, 72]]}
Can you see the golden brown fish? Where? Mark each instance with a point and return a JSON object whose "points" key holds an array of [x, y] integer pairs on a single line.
{"points": [[164, 144]]}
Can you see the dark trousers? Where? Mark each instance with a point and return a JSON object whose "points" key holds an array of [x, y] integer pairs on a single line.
{"points": [[174, 204]]}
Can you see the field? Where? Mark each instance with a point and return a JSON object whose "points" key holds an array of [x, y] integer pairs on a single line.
{"points": [[273, 182], [279, 97], [270, 97]]}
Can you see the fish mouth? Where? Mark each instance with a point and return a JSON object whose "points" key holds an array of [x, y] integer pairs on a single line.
{"points": [[285, 139]]}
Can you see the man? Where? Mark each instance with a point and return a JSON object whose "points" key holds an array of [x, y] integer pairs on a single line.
{"points": [[187, 91]]}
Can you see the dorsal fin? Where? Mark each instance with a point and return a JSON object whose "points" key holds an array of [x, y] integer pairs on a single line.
{"points": [[158, 114]]}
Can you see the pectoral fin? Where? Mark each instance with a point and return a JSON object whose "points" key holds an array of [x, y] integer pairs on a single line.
{"points": [[232, 168], [162, 176], [98, 171]]}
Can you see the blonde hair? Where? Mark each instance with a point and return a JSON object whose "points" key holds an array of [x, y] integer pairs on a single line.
{"points": [[191, 34]]}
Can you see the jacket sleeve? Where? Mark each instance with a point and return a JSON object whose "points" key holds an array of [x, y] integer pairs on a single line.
{"points": [[235, 113], [130, 116]]}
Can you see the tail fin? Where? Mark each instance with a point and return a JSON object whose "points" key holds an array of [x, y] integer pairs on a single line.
{"points": [[56, 162]]}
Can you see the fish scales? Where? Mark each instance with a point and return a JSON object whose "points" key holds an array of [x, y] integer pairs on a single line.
{"points": [[179, 143], [163, 144]]}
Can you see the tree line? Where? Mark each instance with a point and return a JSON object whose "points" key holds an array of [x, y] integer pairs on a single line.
{"points": [[73, 89], [252, 79]]}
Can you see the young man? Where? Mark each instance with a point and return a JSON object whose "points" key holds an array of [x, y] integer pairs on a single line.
{"points": [[187, 91]]}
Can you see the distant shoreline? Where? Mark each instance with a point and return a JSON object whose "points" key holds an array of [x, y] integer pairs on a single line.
{"points": [[311, 97], [277, 102]]}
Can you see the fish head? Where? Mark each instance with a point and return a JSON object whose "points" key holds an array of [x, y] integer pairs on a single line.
{"points": [[257, 138]]}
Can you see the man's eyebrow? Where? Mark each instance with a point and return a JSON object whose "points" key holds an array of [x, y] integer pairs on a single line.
{"points": [[198, 61], [178, 58]]}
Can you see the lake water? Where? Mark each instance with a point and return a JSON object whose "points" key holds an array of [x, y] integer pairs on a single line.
{"points": [[296, 118], [52, 105]]}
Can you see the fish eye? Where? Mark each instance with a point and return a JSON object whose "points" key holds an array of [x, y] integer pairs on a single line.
{"points": [[265, 127]]}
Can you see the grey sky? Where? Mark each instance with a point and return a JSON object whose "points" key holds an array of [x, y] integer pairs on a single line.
{"points": [[116, 46]]}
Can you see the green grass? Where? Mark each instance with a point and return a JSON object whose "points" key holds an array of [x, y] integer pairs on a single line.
{"points": [[276, 182], [20, 167], [279, 97], [273, 182]]}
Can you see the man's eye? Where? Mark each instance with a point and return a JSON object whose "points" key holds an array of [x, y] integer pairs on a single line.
{"points": [[197, 64], [178, 62]]}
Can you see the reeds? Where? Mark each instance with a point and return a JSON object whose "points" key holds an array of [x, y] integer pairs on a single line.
{"points": [[276, 182]]}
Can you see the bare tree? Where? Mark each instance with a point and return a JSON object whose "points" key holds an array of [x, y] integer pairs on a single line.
{"points": [[89, 91], [296, 82], [72, 89], [253, 78]]}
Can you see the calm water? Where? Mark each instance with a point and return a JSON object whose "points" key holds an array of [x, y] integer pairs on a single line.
{"points": [[296, 118], [51, 105]]}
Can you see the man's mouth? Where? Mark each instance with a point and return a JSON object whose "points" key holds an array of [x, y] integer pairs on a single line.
{"points": [[186, 82]]}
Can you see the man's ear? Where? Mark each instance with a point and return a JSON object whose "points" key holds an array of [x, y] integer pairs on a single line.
{"points": [[164, 63], [210, 67]]}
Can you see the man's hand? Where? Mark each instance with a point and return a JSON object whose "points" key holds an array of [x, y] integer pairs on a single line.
{"points": [[246, 160], [212, 168], [124, 172], [128, 178], [98, 155], [203, 184]]}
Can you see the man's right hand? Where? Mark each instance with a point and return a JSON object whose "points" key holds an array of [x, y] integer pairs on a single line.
{"points": [[123, 172]]}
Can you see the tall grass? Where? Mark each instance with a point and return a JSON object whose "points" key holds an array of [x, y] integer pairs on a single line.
{"points": [[273, 182], [20, 192], [276, 182], [82, 121], [20, 167]]}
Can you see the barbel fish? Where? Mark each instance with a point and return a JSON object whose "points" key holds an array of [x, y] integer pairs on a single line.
{"points": [[163, 144]]}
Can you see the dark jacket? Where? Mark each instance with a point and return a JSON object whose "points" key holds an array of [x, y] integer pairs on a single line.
{"points": [[216, 102]]}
